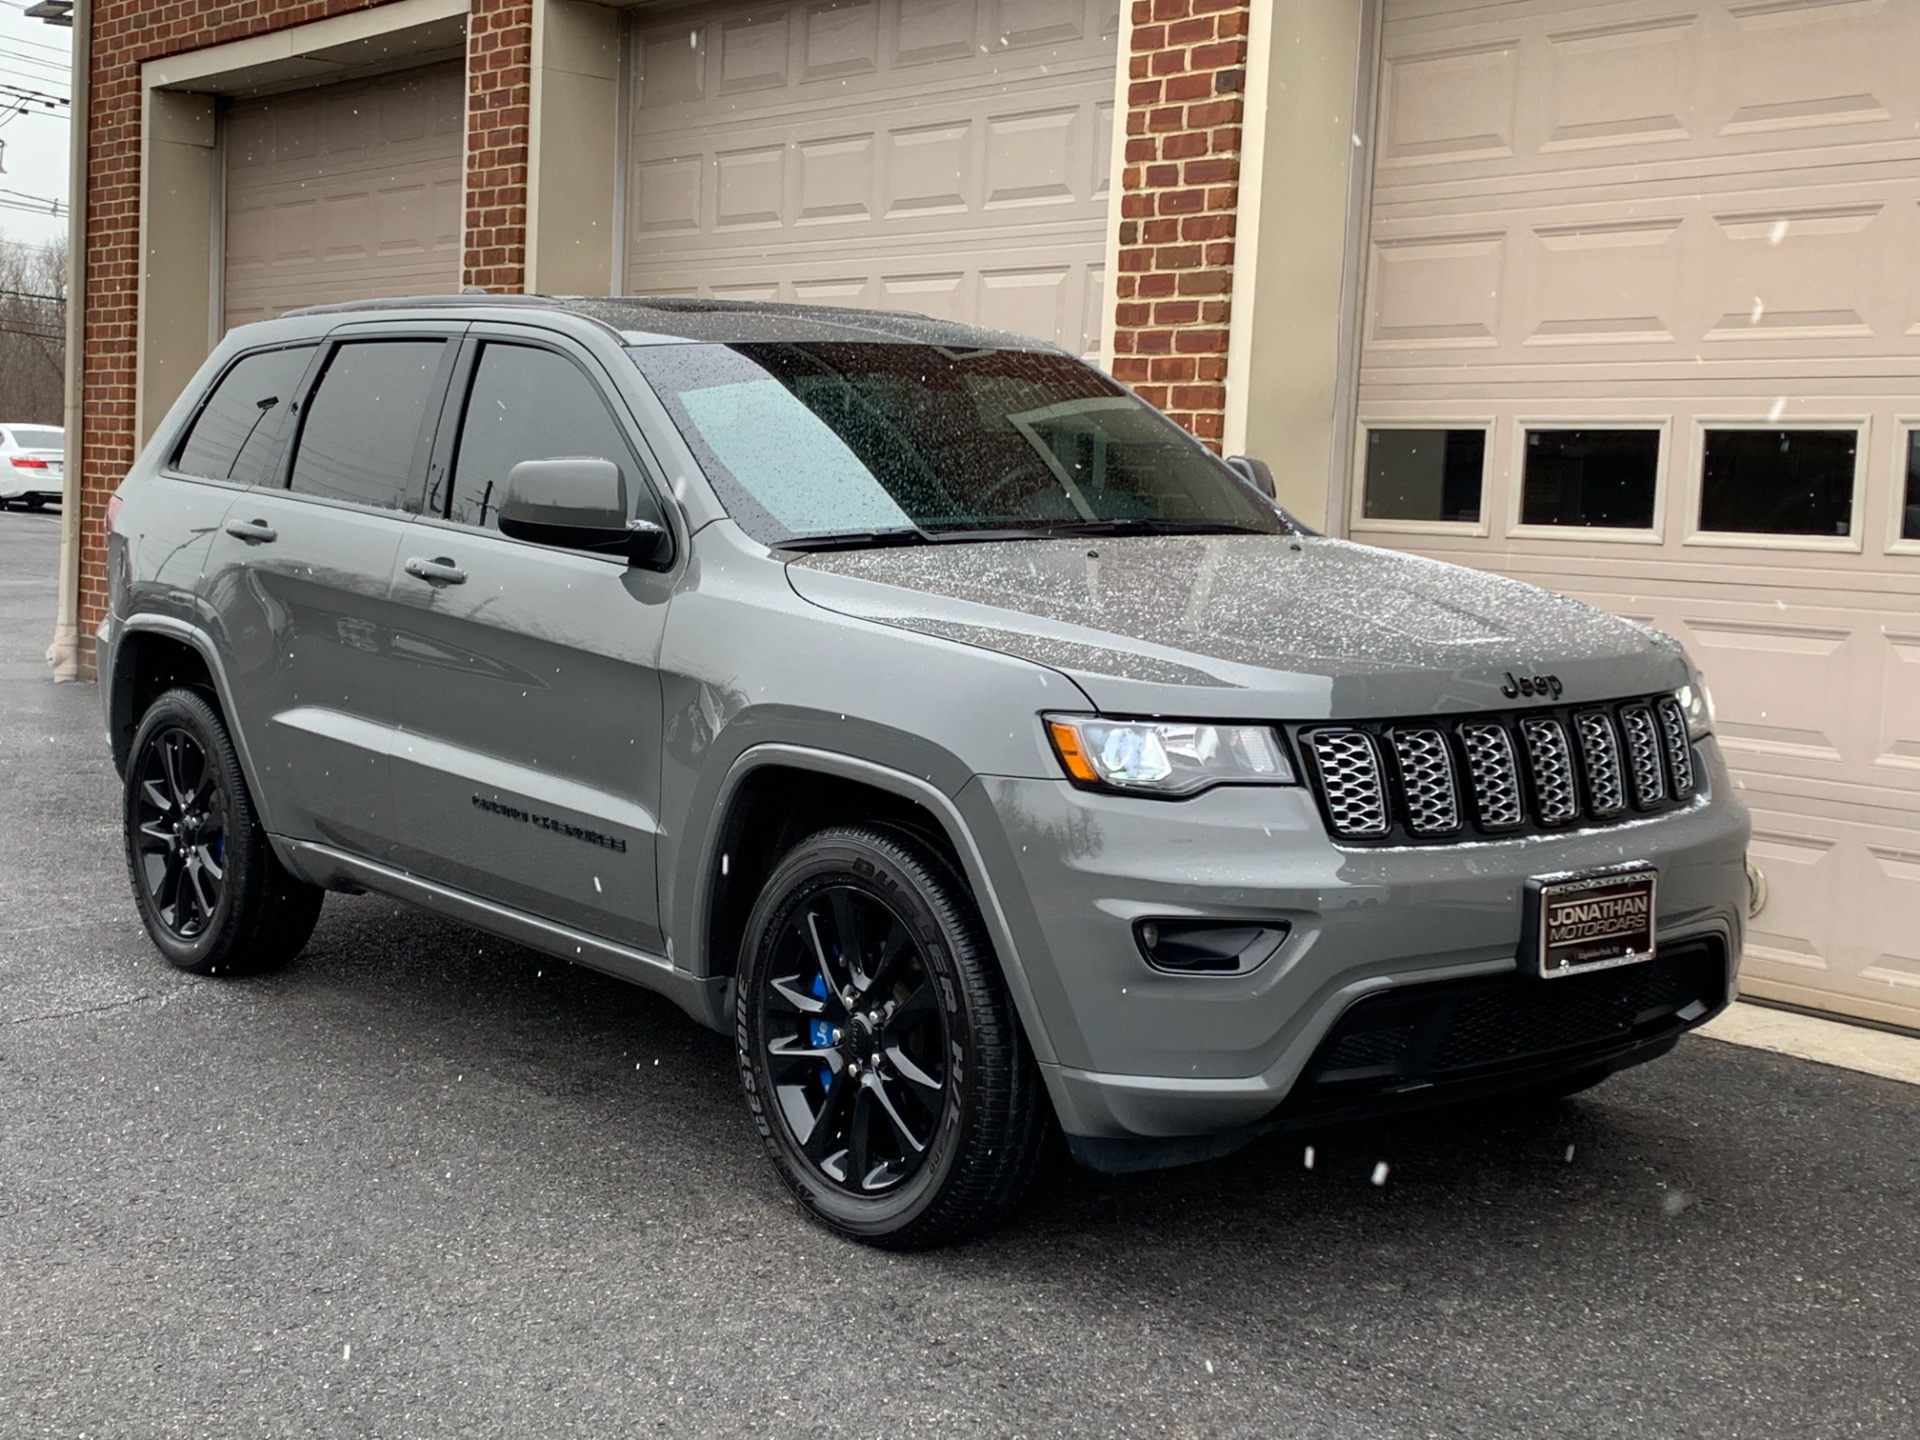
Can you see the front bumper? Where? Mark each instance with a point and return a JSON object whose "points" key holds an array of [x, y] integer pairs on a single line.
{"points": [[1137, 1053]]}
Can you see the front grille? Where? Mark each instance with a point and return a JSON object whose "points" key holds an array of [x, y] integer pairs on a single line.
{"points": [[1426, 780], [1556, 797], [1348, 764], [1600, 751], [1492, 776], [1495, 776], [1464, 1030], [1643, 754], [1673, 729]]}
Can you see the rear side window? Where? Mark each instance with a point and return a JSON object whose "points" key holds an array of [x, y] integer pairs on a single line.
{"points": [[364, 422], [528, 404], [237, 431]]}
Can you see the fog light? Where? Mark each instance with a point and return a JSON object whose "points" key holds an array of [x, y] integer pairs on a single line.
{"points": [[1209, 947]]}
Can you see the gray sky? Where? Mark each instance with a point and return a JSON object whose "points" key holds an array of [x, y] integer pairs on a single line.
{"points": [[33, 56]]}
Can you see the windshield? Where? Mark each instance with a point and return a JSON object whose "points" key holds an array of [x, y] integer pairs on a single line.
{"points": [[890, 442], [35, 437]]}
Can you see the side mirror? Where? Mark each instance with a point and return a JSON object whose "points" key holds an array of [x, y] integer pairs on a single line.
{"points": [[1254, 472], [580, 503]]}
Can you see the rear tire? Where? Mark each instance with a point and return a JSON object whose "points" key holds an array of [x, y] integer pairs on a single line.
{"points": [[877, 1044], [214, 899], [36, 502]]}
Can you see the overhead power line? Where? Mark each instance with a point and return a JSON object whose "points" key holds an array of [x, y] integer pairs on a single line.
{"points": [[66, 49], [37, 97]]}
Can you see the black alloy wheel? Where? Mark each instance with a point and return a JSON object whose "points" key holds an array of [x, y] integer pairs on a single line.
{"points": [[181, 829], [210, 891], [877, 1044], [855, 1039]]}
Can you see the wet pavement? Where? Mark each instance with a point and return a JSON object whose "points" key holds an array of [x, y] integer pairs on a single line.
{"points": [[425, 1183]]}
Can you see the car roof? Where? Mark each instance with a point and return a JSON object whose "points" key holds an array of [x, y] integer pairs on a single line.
{"points": [[669, 319]]}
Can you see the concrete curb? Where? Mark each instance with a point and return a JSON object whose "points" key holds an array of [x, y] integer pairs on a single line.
{"points": [[1830, 1042]]}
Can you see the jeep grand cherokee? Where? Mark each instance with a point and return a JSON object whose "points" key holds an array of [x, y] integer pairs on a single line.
{"points": [[917, 704]]}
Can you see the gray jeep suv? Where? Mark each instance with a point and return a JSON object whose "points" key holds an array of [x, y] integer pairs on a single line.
{"points": [[912, 701]]}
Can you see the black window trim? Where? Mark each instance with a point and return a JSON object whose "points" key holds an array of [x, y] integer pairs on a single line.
{"points": [[1655, 534], [414, 495], [1357, 518], [1852, 543], [170, 464], [453, 414]]}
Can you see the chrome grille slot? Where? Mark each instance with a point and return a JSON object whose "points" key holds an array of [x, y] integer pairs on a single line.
{"points": [[1427, 786], [1600, 753], [1351, 783], [1643, 756], [1495, 776], [1550, 764], [1673, 729]]}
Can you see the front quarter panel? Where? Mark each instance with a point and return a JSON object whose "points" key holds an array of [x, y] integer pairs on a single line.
{"points": [[746, 664]]}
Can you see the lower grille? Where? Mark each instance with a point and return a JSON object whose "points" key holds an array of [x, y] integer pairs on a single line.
{"points": [[1462, 1030]]}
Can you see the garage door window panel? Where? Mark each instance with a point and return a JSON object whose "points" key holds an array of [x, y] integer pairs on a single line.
{"points": [[1423, 476], [529, 403], [1590, 481], [365, 432], [1780, 484], [235, 437], [1907, 523]]}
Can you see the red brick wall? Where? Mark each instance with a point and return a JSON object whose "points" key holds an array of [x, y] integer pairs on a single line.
{"points": [[1179, 193], [499, 74], [126, 34]]}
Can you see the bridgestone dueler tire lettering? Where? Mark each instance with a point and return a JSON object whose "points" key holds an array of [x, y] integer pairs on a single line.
{"points": [[264, 916], [991, 1127]]}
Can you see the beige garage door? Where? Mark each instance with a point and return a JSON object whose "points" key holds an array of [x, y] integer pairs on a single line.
{"points": [[343, 192], [1643, 324], [945, 156]]}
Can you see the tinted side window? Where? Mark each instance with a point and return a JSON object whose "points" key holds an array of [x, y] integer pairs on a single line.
{"points": [[364, 420], [528, 404], [237, 432]]}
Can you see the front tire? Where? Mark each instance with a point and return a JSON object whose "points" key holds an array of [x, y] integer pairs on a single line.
{"points": [[878, 1047], [214, 899]]}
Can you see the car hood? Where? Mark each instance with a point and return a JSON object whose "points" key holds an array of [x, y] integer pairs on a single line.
{"points": [[1314, 628]]}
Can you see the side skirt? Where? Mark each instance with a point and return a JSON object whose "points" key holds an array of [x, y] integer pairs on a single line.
{"points": [[702, 998]]}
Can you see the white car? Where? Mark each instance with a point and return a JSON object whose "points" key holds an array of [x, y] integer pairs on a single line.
{"points": [[32, 464]]}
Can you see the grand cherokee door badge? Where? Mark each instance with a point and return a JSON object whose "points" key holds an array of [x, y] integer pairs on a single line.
{"points": [[547, 822]]}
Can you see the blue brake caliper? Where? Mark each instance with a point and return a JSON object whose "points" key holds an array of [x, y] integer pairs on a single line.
{"points": [[820, 1033]]}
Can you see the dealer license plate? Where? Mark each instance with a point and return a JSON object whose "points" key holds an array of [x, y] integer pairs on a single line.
{"points": [[1590, 921]]}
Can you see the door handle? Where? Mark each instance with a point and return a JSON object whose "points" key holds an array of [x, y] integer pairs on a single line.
{"points": [[436, 572], [255, 532]]}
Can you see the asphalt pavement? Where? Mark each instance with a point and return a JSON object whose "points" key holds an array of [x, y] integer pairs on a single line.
{"points": [[425, 1183]]}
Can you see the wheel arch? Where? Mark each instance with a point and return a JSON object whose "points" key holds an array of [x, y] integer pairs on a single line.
{"points": [[153, 654], [776, 794]]}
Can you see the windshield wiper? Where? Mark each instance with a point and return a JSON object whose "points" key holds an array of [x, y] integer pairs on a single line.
{"points": [[1147, 525], [856, 539], [981, 535]]}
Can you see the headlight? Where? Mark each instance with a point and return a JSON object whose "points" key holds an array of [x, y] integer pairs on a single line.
{"points": [[1167, 757], [1697, 704]]}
